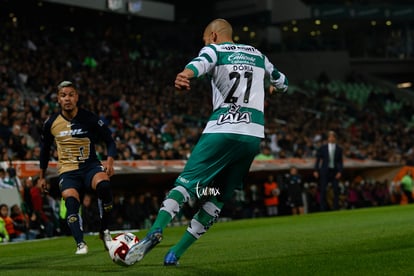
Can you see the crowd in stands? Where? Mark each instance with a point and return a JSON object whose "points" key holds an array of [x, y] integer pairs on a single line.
{"points": [[126, 76]]}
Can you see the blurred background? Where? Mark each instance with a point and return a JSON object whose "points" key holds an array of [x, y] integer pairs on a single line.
{"points": [[349, 65]]}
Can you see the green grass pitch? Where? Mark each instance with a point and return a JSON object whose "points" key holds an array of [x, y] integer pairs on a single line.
{"points": [[371, 241]]}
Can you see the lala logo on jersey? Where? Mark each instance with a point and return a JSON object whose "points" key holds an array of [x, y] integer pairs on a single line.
{"points": [[71, 132], [234, 116]]}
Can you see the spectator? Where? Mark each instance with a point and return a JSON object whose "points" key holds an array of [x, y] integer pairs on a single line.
{"points": [[118, 214], [16, 143], [382, 193], [254, 200], [153, 207], [134, 212], [265, 154], [36, 226], [21, 222], [5, 181], [64, 227], [51, 207], [13, 233], [27, 205], [354, 193], [312, 197], [38, 203], [271, 196], [368, 194], [239, 205], [328, 168], [4, 235], [90, 214], [293, 181], [395, 192], [407, 186]]}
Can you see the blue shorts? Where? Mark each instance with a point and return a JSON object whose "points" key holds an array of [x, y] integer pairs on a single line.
{"points": [[80, 179]]}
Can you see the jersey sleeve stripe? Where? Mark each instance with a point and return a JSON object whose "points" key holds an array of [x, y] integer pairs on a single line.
{"points": [[193, 68], [207, 57]]}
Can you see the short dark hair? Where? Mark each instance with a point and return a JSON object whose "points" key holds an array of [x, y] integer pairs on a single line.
{"points": [[331, 132]]}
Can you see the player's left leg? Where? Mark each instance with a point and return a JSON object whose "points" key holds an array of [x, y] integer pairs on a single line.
{"points": [[100, 183], [105, 210]]}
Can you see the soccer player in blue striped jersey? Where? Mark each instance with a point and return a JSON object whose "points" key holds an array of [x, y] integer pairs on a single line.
{"points": [[230, 140], [75, 131]]}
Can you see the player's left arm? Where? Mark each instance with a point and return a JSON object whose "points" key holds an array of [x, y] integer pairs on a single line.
{"points": [[278, 80], [110, 166], [106, 135]]}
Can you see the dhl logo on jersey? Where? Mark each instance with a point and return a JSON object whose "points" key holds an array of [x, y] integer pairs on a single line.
{"points": [[71, 132]]}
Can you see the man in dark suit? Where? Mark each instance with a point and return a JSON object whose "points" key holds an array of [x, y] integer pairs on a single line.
{"points": [[328, 168]]}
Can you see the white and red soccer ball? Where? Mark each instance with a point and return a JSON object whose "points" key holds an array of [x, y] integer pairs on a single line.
{"points": [[120, 246]]}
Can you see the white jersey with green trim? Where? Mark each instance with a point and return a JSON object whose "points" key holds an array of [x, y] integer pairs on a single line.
{"points": [[237, 74]]}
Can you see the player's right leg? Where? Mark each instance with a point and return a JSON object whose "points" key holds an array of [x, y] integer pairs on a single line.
{"points": [[70, 186], [74, 220], [170, 207]]}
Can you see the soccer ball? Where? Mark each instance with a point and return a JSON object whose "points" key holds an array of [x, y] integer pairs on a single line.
{"points": [[120, 246]]}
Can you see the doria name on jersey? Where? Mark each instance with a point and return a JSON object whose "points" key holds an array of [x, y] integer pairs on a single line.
{"points": [[238, 87]]}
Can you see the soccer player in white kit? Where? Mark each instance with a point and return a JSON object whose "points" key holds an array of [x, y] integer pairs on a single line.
{"points": [[230, 140]]}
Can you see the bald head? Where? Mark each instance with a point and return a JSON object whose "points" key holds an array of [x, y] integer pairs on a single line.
{"points": [[218, 31]]}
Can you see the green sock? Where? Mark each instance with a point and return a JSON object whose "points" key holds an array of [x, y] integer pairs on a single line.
{"points": [[186, 241], [169, 207], [204, 220], [162, 220]]}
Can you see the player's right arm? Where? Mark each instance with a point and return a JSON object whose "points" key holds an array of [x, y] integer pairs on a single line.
{"points": [[182, 81], [201, 65], [46, 141]]}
